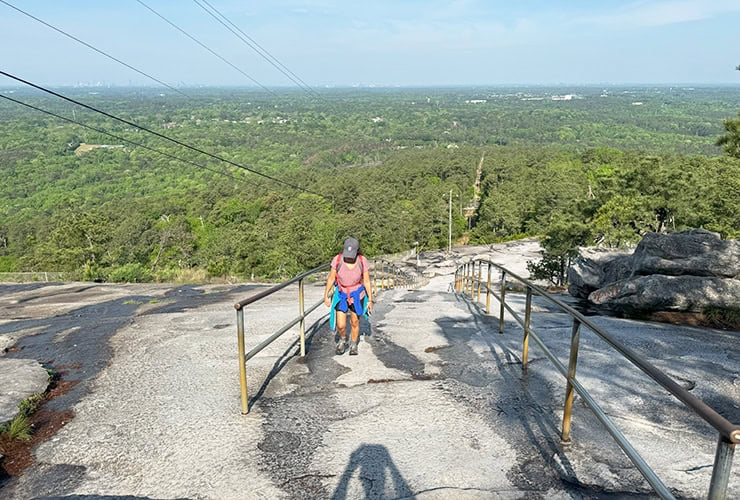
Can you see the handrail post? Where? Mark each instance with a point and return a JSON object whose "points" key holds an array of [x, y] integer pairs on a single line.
{"points": [[480, 270], [488, 291], [569, 390], [503, 302], [301, 311], [472, 279], [375, 276], [382, 275], [527, 319], [467, 277], [242, 359], [721, 470]]}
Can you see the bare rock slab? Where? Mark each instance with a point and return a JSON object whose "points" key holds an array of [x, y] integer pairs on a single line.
{"points": [[19, 379]]}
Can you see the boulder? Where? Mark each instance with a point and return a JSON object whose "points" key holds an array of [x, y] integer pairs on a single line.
{"points": [[696, 252], [595, 268], [669, 293], [690, 271]]}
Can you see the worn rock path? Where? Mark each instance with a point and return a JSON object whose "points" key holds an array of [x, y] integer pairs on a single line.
{"points": [[434, 406]]}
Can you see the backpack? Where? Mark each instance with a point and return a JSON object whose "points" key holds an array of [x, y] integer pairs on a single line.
{"points": [[340, 260]]}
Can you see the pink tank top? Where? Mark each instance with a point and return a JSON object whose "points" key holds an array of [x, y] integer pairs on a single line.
{"points": [[349, 278]]}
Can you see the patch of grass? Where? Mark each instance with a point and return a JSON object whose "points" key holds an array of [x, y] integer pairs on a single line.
{"points": [[30, 404], [162, 301], [723, 318], [18, 428]]}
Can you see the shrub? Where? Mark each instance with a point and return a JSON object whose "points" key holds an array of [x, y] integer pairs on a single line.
{"points": [[723, 318], [30, 404], [131, 273]]}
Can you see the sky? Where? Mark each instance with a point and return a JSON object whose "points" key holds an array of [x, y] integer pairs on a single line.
{"points": [[376, 42]]}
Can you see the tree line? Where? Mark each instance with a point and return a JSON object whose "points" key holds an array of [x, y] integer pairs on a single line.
{"points": [[383, 163]]}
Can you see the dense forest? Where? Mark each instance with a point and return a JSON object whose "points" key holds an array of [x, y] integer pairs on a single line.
{"points": [[574, 166]]}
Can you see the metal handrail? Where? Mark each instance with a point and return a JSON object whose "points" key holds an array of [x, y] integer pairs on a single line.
{"points": [[391, 276], [729, 433]]}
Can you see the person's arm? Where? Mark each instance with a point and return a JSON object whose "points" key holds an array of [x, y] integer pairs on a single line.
{"points": [[329, 287]]}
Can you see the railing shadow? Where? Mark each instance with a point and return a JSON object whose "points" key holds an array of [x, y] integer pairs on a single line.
{"points": [[291, 352], [466, 282], [535, 413]]}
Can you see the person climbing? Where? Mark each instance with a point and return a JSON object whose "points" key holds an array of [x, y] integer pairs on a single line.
{"points": [[353, 294]]}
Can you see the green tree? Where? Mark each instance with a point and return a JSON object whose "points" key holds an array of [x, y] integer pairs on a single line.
{"points": [[730, 142]]}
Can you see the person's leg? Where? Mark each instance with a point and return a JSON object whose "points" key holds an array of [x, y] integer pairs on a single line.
{"points": [[354, 322], [342, 331], [342, 324]]}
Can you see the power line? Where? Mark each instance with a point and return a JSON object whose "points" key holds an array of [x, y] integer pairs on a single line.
{"points": [[254, 46], [180, 143], [163, 153], [94, 48], [203, 45], [260, 47]]}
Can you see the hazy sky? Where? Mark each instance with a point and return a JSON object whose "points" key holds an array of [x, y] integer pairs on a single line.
{"points": [[379, 42]]}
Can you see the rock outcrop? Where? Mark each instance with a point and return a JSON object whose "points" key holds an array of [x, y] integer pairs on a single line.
{"points": [[691, 271], [596, 268]]}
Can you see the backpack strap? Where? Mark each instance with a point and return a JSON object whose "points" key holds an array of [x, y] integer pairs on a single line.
{"points": [[340, 259]]}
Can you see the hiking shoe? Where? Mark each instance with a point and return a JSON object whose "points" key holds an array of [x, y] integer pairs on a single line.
{"points": [[341, 347], [353, 348]]}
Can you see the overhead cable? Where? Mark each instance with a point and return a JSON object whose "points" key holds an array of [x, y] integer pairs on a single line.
{"points": [[261, 48], [178, 142], [163, 153], [93, 48], [203, 45], [254, 46]]}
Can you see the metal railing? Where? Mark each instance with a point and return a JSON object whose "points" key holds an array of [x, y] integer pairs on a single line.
{"points": [[468, 282], [46, 277], [383, 274]]}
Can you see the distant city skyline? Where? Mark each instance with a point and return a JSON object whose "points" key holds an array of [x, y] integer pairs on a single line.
{"points": [[412, 43]]}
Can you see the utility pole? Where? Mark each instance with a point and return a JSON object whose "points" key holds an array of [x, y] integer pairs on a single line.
{"points": [[449, 227]]}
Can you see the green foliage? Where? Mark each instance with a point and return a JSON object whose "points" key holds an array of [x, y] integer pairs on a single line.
{"points": [[730, 142], [18, 428], [551, 268], [30, 404], [723, 318], [130, 273], [591, 170], [560, 244]]}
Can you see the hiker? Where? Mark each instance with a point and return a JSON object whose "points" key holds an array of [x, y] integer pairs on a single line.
{"points": [[353, 293]]}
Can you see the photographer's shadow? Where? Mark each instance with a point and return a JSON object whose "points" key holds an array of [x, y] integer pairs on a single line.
{"points": [[375, 467]]}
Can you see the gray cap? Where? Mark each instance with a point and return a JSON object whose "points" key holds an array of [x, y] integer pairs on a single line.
{"points": [[351, 246]]}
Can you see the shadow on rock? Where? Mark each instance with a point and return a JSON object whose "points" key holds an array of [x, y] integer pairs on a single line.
{"points": [[379, 475]]}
